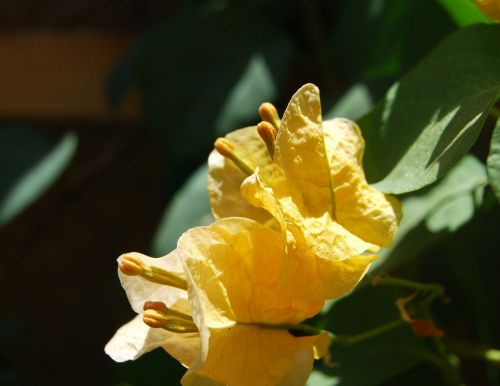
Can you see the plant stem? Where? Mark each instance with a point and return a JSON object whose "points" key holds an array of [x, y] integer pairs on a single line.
{"points": [[435, 288], [353, 339]]}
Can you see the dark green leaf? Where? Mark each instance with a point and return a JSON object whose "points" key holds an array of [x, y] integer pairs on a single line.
{"points": [[377, 359], [356, 102], [445, 206], [431, 118], [30, 162], [188, 208], [493, 162]]}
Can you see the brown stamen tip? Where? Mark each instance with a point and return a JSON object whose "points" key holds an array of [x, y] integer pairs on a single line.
{"points": [[224, 147], [158, 306], [154, 318], [268, 113], [266, 131], [131, 266]]}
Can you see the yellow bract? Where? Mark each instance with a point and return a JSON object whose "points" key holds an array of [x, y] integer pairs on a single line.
{"points": [[242, 314], [233, 268], [296, 218], [314, 186]]}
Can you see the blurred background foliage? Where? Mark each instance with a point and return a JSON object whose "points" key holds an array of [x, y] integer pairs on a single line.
{"points": [[111, 158]]}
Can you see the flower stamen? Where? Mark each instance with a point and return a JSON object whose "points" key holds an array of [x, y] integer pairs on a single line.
{"points": [[268, 113], [268, 134], [227, 150], [158, 315], [133, 266]]}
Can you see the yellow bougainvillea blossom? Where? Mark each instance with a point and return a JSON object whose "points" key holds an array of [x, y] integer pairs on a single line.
{"points": [[308, 176], [490, 8], [232, 325]]}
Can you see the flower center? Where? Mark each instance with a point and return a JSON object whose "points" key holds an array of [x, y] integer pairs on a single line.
{"points": [[158, 315], [267, 129], [133, 266]]}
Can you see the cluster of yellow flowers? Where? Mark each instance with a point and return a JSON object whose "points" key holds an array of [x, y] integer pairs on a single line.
{"points": [[297, 224]]}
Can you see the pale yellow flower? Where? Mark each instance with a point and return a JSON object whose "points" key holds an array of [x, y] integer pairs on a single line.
{"points": [[311, 180], [242, 316], [490, 8], [135, 337]]}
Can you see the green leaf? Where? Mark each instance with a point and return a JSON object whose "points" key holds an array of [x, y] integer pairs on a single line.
{"points": [[353, 104], [464, 12], [377, 359], [30, 162], [493, 161], [431, 214], [452, 214], [429, 120], [255, 86], [189, 208]]}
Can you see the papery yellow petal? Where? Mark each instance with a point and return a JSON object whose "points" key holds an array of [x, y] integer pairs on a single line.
{"points": [[301, 177], [328, 239], [261, 196], [136, 338], [224, 177], [233, 268], [325, 237], [139, 290], [308, 276], [250, 356], [360, 208]]}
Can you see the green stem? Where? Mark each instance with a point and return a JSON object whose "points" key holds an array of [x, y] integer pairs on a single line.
{"points": [[305, 328], [436, 288], [354, 339]]}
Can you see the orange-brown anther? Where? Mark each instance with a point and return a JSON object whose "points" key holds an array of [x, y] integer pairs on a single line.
{"points": [[158, 315], [158, 306], [227, 150], [224, 147], [268, 134], [131, 266], [268, 113], [154, 318], [267, 131]]}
